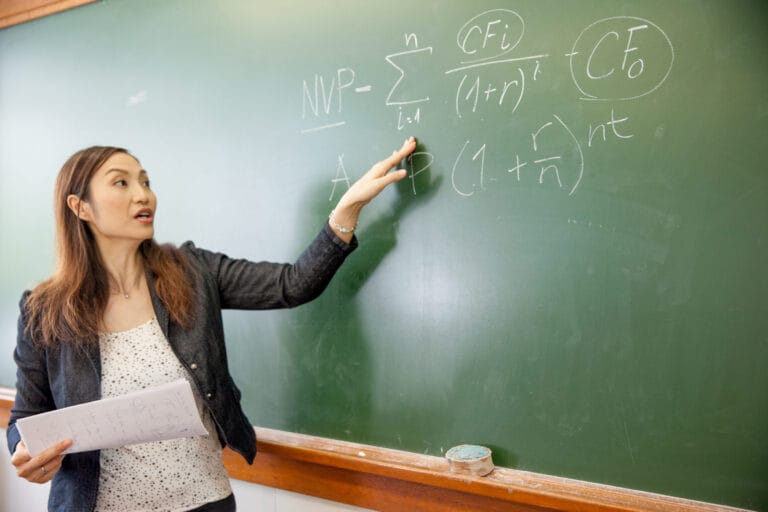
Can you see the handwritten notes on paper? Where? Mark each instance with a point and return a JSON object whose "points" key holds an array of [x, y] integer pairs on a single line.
{"points": [[154, 414]]}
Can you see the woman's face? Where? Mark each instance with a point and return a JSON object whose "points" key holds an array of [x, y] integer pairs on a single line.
{"points": [[120, 204]]}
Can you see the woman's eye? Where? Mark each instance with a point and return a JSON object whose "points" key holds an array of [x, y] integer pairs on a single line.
{"points": [[146, 183], [121, 183]]}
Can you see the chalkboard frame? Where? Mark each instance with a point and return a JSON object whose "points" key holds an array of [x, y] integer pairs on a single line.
{"points": [[14, 12], [394, 480], [268, 445]]}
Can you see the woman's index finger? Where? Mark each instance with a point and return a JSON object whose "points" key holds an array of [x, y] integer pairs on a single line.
{"points": [[388, 163]]}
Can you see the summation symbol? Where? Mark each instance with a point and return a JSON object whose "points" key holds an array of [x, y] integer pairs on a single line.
{"points": [[397, 95]]}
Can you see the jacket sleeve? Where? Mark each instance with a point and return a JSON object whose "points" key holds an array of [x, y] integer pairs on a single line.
{"points": [[33, 393], [244, 284]]}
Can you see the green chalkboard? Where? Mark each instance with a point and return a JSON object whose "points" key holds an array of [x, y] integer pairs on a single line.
{"points": [[573, 274]]}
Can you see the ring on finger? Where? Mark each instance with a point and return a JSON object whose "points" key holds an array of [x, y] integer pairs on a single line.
{"points": [[42, 468]]}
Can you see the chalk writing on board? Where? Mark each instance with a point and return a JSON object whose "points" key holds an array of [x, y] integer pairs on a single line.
{"points": [[486, 39], [613, 59], [478, 169], [341, 176], [549, 164], [424, 158], [395, 98], [413, 173], [613, 123], [635, 58], [489, 91], [490, 35], [395, 59], [326, 101], [548, 161]]}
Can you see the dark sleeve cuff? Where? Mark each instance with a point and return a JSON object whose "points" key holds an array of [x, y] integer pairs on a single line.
{"points": [[345, 247], [13, 437]]}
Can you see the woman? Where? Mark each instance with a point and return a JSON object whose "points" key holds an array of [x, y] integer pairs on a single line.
{"points": [[123, 313]]}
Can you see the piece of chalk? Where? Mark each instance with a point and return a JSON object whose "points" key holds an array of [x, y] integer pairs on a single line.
{"points": [[470, 459]]}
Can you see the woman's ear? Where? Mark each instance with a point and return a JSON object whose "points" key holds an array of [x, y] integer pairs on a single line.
{"points": [[79, 207]]}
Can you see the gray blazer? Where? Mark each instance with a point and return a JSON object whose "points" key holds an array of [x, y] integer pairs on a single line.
{"points": [[61, 376]]}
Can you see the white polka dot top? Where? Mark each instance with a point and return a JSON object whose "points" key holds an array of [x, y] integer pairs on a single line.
{"points": [[169, 476]]}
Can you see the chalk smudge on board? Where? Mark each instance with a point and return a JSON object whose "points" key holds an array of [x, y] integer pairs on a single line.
{"points": [[139, 97]]}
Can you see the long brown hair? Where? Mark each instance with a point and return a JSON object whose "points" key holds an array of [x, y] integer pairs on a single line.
{"points": [[68, 307]]}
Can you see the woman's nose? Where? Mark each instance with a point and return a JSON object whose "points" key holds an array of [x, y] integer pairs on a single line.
{"points": [[142, 194]]}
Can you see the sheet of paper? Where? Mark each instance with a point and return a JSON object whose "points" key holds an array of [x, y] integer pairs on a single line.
{"points": [[153, 414]]}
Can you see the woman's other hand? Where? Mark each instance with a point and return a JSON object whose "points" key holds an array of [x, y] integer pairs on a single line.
{"points": [[347, 211], [40, 468]]}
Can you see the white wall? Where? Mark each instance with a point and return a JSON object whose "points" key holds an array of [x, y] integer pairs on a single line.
{"points": [[17, 494]]}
